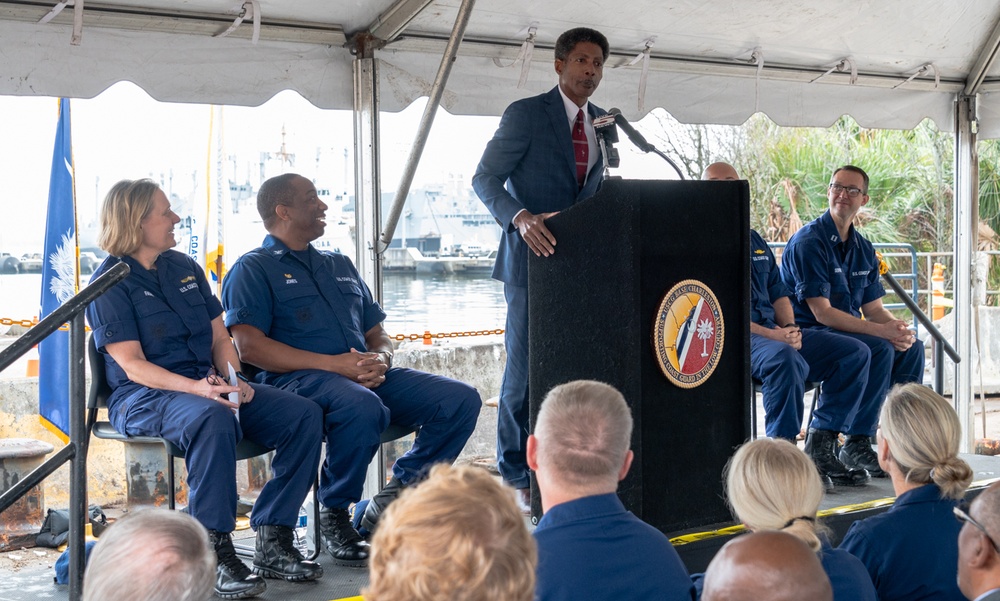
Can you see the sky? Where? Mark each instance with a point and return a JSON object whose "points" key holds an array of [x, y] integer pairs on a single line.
{"points": [[125, 134]]}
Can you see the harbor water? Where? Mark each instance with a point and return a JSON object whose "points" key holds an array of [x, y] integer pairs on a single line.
{"points": [[414, 303]]}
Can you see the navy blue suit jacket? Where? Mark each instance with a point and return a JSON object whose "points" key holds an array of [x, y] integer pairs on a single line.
{"points": [[532, 153]]}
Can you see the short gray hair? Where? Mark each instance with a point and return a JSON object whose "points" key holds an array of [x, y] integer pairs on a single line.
{"points": [[154, 555], [583, 430]]}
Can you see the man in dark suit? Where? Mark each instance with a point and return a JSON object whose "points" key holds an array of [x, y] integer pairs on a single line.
{"points": [[543, 158], [978, 550]]}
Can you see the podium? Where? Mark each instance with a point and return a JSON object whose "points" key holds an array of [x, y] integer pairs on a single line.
{"points": [[595, 310]]}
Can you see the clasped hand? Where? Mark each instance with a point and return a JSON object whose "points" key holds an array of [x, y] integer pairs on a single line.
{"points": [[365, 368]]}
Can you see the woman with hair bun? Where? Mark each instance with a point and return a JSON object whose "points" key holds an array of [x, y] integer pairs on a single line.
{"points": [[911, 550], [772, 485]]}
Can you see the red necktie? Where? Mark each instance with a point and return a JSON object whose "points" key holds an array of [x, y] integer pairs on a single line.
{"points": [[580, 149]]}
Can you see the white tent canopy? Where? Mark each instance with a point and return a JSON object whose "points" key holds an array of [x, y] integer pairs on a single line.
{"points": [[887, 63], [700, 69]]}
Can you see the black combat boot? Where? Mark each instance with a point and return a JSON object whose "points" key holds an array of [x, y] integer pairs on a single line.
{"points": [[857, 452], [340, 539], [821, 447], [277, 557], [233, 579], [379, 502]]}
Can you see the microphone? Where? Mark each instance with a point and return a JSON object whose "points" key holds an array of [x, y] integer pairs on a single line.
{"points": [[607, 135], [636, 138], [604, 127]]}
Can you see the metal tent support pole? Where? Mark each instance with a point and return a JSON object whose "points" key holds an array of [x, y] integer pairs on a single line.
{"points": [[966, 225], [426, 121]]}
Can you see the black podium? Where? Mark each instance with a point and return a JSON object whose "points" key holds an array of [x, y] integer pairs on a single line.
{"points": [[594, 308]]}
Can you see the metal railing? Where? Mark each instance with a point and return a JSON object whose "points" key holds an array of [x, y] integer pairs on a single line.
{"points": [[75, 451]]}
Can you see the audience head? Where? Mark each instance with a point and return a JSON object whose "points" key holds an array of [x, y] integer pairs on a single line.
{"points": [[978, 546], [720, 171], [581, 441], [772, 485], [154, 555], [766, 566], [919, 435], [456, 536], [127, 203]]}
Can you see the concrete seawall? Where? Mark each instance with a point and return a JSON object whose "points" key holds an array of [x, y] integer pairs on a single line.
{"points": [[478, 361]]}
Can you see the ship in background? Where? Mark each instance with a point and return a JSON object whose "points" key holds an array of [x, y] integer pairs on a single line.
{"points": [[444, 228]]}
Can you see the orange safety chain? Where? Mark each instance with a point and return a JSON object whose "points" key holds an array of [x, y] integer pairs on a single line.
{"points": [[427, 336], [29, 323]]}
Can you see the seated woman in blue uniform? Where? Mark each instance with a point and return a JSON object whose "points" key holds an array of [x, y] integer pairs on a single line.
{"points": [[165, 345], [772, 485], [912, 549]]}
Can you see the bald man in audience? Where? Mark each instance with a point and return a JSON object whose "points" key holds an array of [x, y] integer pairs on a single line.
{"points": [[978, 550], [766, 566], [590, 548]]}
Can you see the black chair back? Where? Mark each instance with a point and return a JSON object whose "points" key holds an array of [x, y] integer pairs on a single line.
{"points": [[99, 388]]}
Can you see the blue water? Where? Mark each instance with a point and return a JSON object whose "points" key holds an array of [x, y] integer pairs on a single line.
{"points": [[414, 303]]}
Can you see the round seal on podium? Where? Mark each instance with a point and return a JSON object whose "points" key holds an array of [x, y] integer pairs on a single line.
{"points": [[688, 333]]}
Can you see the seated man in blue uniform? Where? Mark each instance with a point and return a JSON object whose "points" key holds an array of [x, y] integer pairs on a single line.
{"points": [[834, 273], [162, 335], [308, 321], [589, 545], [783, 357]]}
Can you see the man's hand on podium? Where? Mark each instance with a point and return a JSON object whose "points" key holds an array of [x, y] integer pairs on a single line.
{"points": [[533, 231]]}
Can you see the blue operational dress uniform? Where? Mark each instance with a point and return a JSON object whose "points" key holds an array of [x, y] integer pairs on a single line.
{"points": [[911, 550], [528, 165], [816, 263], [848, 576], [593, 549], [840, 363], [169, 311], [316, 301]]}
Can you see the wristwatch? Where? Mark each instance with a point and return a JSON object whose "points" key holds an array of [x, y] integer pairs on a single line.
{"points": [[388, 358]]}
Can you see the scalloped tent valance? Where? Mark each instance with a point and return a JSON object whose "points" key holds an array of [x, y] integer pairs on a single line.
{"points": [[888, 63]]}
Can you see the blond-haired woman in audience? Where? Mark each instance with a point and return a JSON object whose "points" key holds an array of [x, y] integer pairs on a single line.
{"points": [[911, 550], [457, 536], [772, 485]]}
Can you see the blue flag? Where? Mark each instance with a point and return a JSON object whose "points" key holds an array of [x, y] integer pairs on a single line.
{"points": [[60, 280]]}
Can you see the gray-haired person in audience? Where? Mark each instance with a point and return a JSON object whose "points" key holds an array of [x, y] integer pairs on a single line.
{"points": [[978, 549], [766, 566], [589, 545], [153, 555]]}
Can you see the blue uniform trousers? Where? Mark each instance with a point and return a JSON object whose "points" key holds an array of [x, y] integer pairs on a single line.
{"points": [[840, 363], [512, 414], [888, 367], [208, 432], [354, 417]]}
